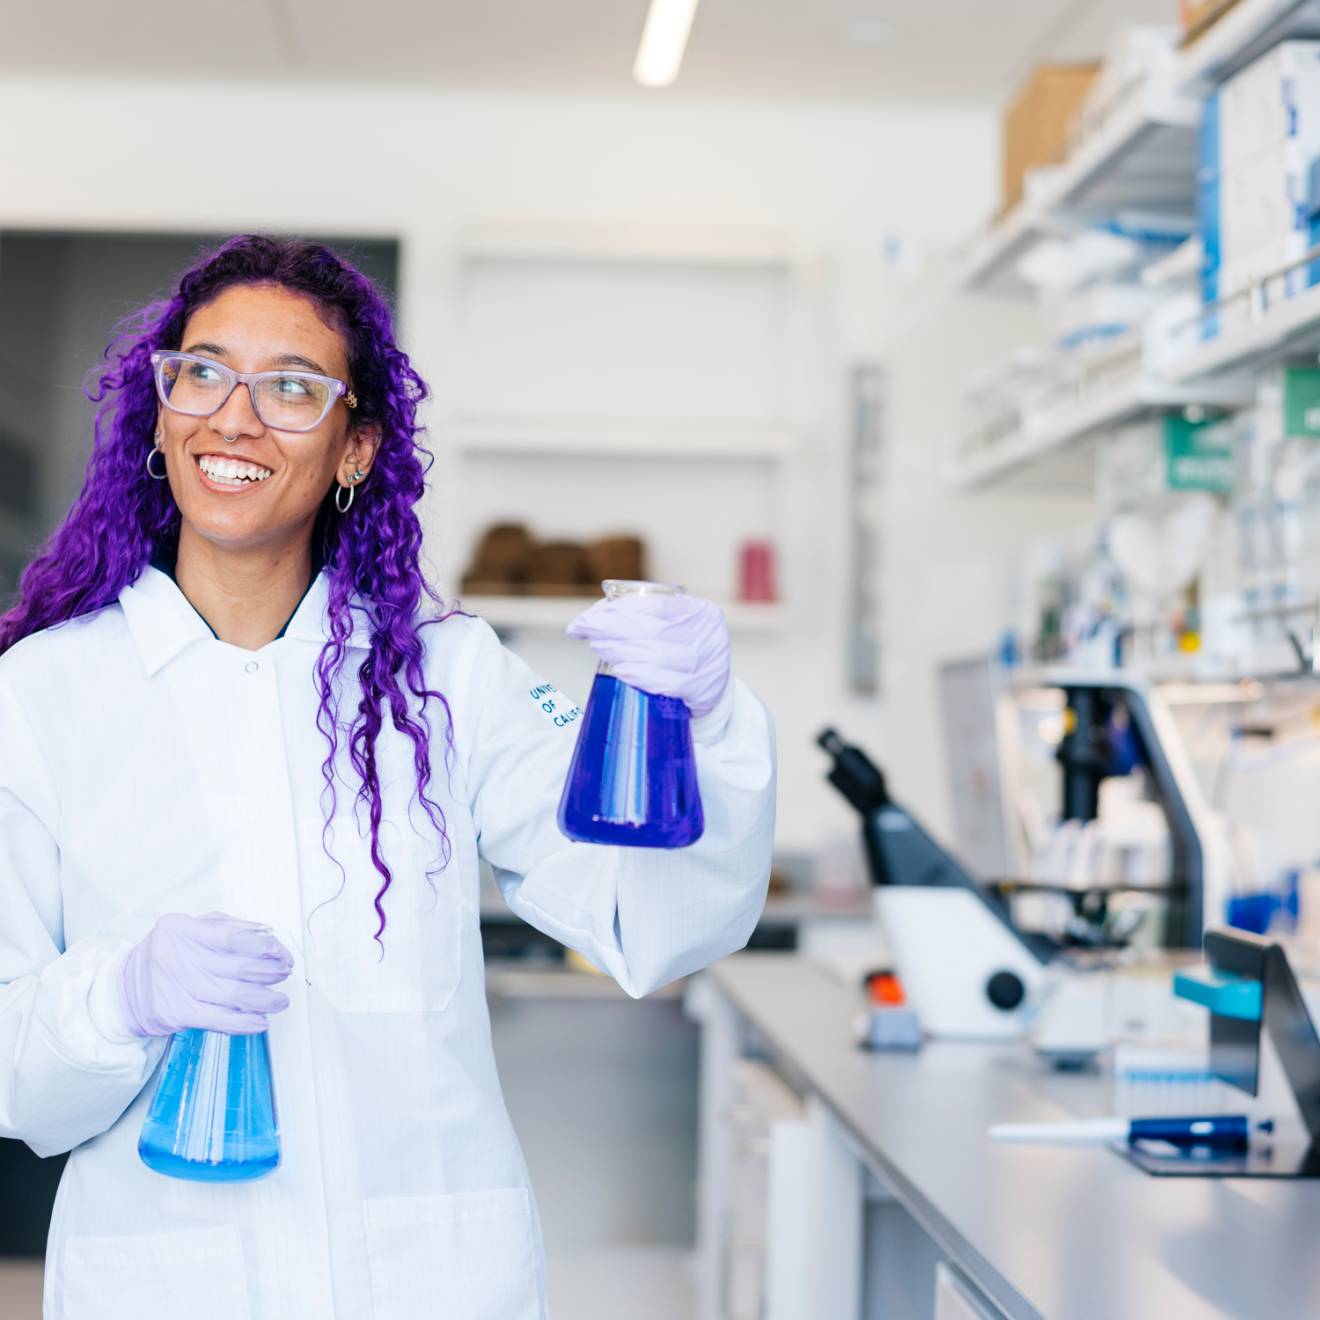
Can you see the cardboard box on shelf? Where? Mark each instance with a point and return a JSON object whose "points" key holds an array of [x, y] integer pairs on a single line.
{"points": [[1038, 120]]}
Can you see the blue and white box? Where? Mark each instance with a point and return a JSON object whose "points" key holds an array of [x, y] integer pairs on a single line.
{"points": [[1275, 99]]}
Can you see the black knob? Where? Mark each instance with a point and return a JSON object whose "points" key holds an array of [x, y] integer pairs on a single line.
{"points": [[1005, 990]]}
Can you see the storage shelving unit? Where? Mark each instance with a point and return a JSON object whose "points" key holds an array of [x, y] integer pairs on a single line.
{"points": [[1247, 30], [1255, 330], [1141, 156], [1083, 415]]}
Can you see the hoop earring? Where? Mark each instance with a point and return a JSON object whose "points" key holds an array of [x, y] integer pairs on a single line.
{"points": [[151, 453], [358, 474]]}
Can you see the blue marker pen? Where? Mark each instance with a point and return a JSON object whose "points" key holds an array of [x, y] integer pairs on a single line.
{"points": [[1224, 1131]]}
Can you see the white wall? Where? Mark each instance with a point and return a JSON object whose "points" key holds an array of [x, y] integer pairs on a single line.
{"points": [[340, 159]]}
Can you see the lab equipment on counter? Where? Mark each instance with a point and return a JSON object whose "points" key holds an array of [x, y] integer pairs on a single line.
{"points": [[888, 1029], [1226, 1132], [888, 1023], [633, 777], [1075, 792], [971, 967], [1262, 1041], [966, 969], [213, 1116]]}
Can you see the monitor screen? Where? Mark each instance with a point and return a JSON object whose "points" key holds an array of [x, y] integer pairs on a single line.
{"points": [[1235, 1043]]}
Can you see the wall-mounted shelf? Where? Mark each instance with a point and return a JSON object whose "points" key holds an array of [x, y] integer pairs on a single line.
{"points": [[621, 438], [1247, 30], [1254, 334], [1143, 156], [1049, 431], [553, 613]]}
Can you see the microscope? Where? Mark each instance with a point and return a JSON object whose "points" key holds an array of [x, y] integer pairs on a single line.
{"points": [[970, 969]]}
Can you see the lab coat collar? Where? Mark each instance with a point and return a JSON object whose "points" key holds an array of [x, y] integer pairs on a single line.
{"points": [[311, 620], [162, 621]]}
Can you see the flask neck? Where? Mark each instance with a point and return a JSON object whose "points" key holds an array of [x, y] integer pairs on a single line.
{"points": [[616, 587]]}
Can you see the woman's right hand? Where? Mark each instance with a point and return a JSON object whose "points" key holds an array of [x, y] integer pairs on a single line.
{"points": [[215, 972]]}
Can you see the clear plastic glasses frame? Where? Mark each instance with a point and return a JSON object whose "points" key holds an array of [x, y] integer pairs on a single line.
{"points": [[280, 415]]}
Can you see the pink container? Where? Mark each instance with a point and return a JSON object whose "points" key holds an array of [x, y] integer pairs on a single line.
{"points": [[756, 577]]}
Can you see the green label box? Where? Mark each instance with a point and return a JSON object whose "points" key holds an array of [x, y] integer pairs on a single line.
{"points": [[1199, 455], [1301, 403]]}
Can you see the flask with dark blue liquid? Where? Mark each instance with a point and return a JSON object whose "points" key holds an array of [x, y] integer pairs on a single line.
{"points": [[633, 779], [212, 1118]]}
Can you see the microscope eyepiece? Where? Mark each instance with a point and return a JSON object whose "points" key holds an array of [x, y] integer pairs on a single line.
{"points": [[854, 774]]}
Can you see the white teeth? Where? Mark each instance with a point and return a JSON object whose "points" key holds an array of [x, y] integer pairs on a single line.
{"points": [[230, 472]]}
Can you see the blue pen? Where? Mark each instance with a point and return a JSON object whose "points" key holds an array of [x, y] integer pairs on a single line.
{"points": [[1224, 1131]]}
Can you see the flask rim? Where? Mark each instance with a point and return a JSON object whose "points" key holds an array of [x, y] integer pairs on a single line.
{"points": [[616, 587]]}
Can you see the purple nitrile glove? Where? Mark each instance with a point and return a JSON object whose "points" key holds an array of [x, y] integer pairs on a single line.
{"points": [[213, 972], [677, 646]]}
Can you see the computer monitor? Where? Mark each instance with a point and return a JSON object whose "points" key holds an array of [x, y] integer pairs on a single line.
{"points": [[1235, 1051], [1235, 1044]]}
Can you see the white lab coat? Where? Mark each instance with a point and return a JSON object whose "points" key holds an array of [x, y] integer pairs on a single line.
{"points": [[147, 767]]}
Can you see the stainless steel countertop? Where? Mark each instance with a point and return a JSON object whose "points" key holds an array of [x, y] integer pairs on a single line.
{"points": [[1064, 1234]]}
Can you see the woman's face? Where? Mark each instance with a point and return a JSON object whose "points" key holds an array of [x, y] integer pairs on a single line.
{"points": [[261, 328]]}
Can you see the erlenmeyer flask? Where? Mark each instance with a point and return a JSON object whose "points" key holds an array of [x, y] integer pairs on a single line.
{"points": [[633, 779], [213, 1116]]}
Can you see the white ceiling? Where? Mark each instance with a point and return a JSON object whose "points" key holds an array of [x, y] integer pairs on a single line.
{"points": [[966, 51]]}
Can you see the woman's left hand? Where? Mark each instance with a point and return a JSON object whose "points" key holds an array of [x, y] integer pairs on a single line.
{"points": [[677, 646]]}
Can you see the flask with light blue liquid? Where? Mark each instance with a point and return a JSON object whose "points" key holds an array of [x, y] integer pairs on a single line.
{"points": [[212, 1118], [633, 778]]}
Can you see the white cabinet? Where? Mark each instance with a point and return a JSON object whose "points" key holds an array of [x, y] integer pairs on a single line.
{"points": [[763, 1107], [780, 1210]]}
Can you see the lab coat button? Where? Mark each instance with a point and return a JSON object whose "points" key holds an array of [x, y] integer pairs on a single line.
{"points": [[252, 666]]}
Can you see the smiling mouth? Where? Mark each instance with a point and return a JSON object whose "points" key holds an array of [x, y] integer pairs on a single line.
{"points": [[229, 474]]}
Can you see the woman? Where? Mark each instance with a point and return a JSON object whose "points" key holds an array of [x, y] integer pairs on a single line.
{"points": [[233, 745]]}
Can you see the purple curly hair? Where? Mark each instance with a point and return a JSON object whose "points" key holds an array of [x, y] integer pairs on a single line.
{"points": [[121, 516]]}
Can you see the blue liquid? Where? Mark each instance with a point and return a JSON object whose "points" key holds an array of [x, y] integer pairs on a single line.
{"points": [[213, 1116], [633, 779]]}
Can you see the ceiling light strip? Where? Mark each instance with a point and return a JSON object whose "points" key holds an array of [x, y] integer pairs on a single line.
{"points": [[664, 39]]}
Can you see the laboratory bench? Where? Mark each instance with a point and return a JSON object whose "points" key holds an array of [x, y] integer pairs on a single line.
{"points": [[847, 1183]]}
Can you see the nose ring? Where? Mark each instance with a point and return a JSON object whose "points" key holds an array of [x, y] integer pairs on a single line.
{"points": [[229, 439]]}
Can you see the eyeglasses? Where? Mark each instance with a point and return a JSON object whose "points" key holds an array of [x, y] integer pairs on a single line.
{"points": [[283, 400]]}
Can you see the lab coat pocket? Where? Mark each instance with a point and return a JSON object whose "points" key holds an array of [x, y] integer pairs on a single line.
{"points": [[198, 1274], [466, 1256], [416, 965]]}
